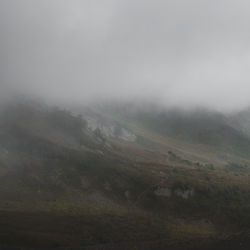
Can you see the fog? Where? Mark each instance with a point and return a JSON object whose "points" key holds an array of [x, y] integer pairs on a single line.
{"points": [[178, 52]]}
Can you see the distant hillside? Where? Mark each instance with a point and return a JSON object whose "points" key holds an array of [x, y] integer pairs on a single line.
{"points": [[227, 133]]}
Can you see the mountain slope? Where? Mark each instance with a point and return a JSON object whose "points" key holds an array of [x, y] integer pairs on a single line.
{"points": [[201, 127], [65, 183]]}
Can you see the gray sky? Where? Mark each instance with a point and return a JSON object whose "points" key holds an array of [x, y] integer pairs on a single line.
{"points": [[180, 52]]}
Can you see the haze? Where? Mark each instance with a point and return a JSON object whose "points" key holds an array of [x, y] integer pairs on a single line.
{"points": [[179, 52]]}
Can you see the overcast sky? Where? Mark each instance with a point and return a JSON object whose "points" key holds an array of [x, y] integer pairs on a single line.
{"points": [[181, 52]]}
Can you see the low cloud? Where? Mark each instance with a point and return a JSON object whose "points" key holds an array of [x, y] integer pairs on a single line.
{"points": [[178, 52]]}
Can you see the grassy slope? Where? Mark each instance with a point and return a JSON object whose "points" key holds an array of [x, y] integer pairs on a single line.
{"points": [[61, 186]]}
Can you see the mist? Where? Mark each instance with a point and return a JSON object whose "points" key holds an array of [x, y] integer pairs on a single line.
{"points": [[181, 53]]}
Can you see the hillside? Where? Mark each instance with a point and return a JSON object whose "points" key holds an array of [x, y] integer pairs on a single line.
{"points": [[120, 180], [225, 133]]}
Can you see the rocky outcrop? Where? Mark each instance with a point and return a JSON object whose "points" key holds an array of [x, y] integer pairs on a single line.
{"points": [[110, 129], [185, 194], [165, 192], [168, 192]]}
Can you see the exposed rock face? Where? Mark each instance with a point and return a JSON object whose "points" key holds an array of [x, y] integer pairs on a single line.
{"points": [[185, 194], [167, 192], [110, 129], [127, 135]]}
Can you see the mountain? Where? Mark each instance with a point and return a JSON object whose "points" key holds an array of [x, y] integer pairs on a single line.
{"points": [[228, 133], [241, 121], [119, 177]]}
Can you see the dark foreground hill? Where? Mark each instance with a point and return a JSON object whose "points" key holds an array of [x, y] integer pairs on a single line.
{"points": [[69, 180]]}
